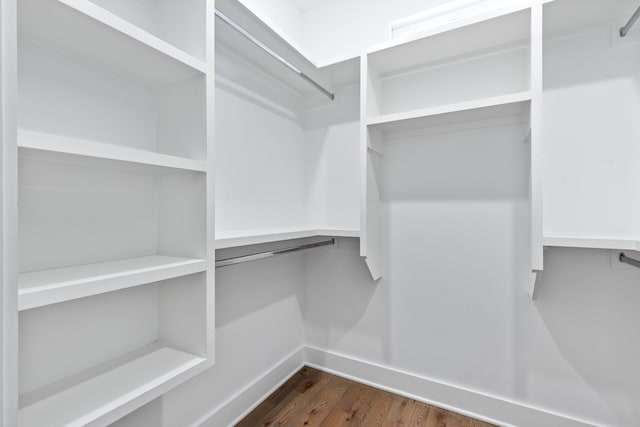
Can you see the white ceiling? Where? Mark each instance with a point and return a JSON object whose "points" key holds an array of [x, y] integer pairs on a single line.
{"points": [[307, 4]]}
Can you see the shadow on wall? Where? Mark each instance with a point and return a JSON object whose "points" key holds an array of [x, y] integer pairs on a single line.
{"points": [[247, 288], [591, 307], [343, 304]]}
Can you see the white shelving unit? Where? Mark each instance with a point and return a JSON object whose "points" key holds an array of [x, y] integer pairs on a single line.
{"points": [[590, 197], [458, 81], [285, 152], [104, 398], [115, 216]]}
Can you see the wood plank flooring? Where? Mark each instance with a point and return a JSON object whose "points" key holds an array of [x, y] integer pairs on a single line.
{"points": [[313, 398]]}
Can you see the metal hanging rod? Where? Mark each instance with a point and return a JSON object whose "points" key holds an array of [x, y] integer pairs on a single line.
{"points": [[624, 30], [253, 257], [267, 49], [625, 259]]}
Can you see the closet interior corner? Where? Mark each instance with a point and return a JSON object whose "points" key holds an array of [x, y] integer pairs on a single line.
{"points": [[146, 143]]}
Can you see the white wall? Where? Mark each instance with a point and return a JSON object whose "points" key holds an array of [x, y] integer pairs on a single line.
{"points": [[258, 323], [572, 351], [336, 27]]}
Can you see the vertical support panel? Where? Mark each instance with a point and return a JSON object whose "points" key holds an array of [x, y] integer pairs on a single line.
{"points": [[370, 207], [210, 179], [8, 214], [536, 143], [364, 93]]}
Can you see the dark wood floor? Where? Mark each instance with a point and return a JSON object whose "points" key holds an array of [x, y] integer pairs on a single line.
{"points": [[315, 398]]}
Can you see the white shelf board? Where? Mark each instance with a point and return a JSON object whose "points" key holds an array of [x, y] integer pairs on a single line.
{"points": [[40, 288], [591, 242], [516, 104], [88, 31], [232, 239], [91, 400], [502, 28], [66, 145]]}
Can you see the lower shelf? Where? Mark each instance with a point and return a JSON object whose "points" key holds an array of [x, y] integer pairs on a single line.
{"points": [[93, 400], [231, 239], [39, 288], [591, 243]]}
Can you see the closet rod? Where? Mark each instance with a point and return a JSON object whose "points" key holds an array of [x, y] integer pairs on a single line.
{"points": [[253, 257], [268, 50], [624, 30], [625, 259]]}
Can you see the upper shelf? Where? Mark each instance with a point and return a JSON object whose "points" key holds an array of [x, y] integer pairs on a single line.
{"points": [[107, 40], [466, 37], [66, 145], [231, 239], [329, 76], [512, 105]]}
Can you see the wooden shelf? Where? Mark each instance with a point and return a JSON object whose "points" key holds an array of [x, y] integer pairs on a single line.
{"points": [[516, 104], [65, 145], [591, 243], [40, 288], [231, 239], [88, 31], [95, 399]]}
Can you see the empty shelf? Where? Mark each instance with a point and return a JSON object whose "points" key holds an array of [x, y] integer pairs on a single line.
{"points": [[516, 104], [39, 288], [65, 145], [95, 399], [106, 39], [230, 239], [591, 242]]}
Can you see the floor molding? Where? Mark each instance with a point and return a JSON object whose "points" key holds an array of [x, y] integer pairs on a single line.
{"points": [[466, 402], [471, 403], [247, 399]]}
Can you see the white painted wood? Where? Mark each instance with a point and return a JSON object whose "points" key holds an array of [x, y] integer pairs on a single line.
{"points": [[97, 398], [590, 127], [290, 173], [590, 242], [183, 320], [513, 105], [210, 211], [75, 212], [231, 239], [108, 40], [535, 141], [61, 144], [483, 60], [8, 214], [66, 96], [116, 228], [52, 286]]}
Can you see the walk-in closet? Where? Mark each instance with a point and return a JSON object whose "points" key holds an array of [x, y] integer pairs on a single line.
{"points": [[320, 213]]}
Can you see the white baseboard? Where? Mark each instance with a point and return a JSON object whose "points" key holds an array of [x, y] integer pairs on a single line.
{"points": [[478, 405], [246, 400], [466, 402]]}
